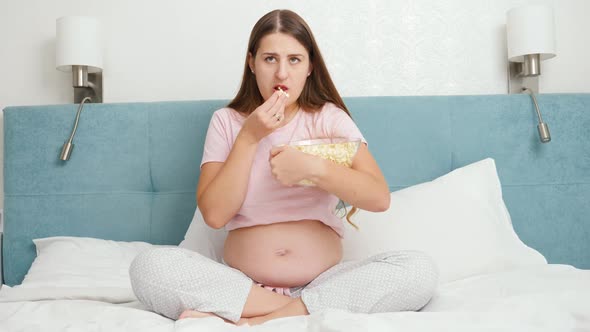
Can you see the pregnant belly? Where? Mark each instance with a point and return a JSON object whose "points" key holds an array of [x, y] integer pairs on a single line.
{"points": [[286, 254]]}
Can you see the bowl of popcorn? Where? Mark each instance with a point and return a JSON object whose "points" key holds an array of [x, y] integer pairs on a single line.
{"points": [[339, 150]]}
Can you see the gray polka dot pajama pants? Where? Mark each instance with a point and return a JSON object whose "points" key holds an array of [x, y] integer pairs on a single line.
{"points": [[171, 280]]}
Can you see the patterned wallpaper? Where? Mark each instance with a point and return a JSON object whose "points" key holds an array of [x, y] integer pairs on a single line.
{"points": [[416, 47]]}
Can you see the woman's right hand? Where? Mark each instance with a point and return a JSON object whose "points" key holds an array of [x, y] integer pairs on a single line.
{"points": [[265, 118]]}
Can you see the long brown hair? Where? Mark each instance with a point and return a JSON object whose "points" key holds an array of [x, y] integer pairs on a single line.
{"points": [[319, 88]]}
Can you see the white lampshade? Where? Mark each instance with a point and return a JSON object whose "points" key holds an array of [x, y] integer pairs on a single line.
{"points": [[530, 30], [79, 42]]}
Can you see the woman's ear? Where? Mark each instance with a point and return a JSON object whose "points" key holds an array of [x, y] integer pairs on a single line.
{"points": [[310, 69], [251, 62]]}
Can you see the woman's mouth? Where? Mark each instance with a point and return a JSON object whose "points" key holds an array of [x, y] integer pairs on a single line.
{"points": [[281, 88]]}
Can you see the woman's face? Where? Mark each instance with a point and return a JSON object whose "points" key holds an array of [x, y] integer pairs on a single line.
{"points": [[281, 61]]}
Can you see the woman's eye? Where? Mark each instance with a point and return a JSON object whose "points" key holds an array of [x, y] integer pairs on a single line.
{"points": [[270, 59], [294, 60]]}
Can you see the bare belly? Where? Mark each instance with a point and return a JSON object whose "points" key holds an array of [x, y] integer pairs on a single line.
{"points": [[286, 254]]}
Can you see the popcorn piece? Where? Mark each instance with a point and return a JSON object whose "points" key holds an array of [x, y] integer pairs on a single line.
{"points": [[283, 92]]}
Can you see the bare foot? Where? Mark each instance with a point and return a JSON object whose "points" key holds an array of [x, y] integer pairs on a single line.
{"points": [[295, 308], [188, 313], [243, 321]]}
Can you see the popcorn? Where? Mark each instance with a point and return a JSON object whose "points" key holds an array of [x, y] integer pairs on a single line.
{"points": [[340, 151], [282, 92]]}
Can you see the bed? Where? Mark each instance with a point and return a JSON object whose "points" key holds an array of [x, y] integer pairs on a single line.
{"points": [[506, 217]]}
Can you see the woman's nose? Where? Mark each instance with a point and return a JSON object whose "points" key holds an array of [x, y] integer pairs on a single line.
{"points": [[282, 71]]}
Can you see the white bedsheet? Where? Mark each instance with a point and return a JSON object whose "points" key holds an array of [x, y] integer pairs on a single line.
{"points": [[542, 298]]}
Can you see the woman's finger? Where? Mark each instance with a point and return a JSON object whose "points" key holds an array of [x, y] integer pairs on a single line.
{"points": [[278, 109], [271, 102], [276, 150]]}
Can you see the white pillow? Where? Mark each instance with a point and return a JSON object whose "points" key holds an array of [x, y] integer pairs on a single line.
{"points": [[203, 239], [459, 219], [81, 267]]}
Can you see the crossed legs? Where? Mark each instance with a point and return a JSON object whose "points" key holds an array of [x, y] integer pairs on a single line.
{"points": [[261, 305], [170, 280]]}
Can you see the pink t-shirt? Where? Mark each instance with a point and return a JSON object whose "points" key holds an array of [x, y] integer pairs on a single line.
{"points": [[267, 200]]}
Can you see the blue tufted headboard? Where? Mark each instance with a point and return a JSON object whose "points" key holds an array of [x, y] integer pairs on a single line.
{"points": [[134, 168]]}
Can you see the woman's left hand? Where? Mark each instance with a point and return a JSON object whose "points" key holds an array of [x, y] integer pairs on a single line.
{"points": [[289, 165]]}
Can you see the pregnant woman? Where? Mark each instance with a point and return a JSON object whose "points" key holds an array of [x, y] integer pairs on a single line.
{"points": [[282, 256]]}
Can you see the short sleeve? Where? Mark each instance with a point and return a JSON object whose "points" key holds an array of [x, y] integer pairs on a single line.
{"points": [[217, 142], [343, 126]]}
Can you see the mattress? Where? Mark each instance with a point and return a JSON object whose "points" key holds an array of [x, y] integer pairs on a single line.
{"points": [[550, 297]]}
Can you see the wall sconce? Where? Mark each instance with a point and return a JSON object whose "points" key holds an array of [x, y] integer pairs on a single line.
{"points": [[531, 39], [79, 50]]}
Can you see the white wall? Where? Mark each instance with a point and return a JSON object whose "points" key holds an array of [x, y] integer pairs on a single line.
{"points": [[186, 49]]}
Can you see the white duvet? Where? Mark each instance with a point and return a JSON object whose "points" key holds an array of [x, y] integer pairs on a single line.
{"points": [[541, 298]]}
